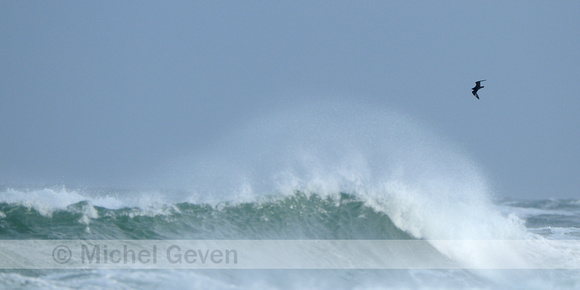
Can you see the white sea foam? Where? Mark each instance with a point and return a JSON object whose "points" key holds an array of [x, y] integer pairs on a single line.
{"points": [[48, 200], [45, 201]]}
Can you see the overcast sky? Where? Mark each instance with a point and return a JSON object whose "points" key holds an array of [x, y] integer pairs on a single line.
{"points": [[104, 91]]}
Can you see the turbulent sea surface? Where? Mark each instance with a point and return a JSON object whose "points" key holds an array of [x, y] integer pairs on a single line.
{"points": [[56, 214], [340, 172]]}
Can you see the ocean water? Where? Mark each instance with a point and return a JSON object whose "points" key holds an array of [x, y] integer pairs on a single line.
{"points": [[67, 214], [344, 173]]}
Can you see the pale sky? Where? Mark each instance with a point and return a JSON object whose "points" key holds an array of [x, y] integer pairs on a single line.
{"points": [[102, 92]]}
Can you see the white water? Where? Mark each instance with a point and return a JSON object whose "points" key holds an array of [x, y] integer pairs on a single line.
{"points": [[429, 188]]}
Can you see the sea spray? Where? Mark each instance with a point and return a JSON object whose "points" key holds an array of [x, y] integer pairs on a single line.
{"points": [[428, 186], [322, 148]]}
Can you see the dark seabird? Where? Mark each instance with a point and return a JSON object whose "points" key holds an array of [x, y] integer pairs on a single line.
{"points": [[476, 88]]}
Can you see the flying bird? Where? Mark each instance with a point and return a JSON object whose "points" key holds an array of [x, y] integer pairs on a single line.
{"points": [[476, 88]]}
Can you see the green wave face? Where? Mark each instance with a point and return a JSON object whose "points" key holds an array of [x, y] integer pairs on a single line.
{"points": [[299, 216]]}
